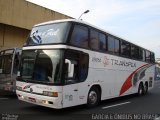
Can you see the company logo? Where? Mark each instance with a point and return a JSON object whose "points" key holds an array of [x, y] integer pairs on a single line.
{"points": [[105, 61], [36, 37]]}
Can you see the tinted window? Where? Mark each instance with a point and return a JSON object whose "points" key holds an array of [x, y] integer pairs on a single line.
{"points": [[110, 44], [80, 36], [143, 55], [125, 49], [113, 45], [94, 41], [148, 56], [102, 40], [135, 52], [152, 58], [116, 46], [51, 33], [80, 61], [140, 54]]}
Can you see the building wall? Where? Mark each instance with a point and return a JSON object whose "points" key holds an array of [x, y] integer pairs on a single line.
{"points": [[17, 18], [11, 36]]}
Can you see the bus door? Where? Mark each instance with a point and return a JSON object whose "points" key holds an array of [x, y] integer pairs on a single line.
{"points": [[75, 72]]}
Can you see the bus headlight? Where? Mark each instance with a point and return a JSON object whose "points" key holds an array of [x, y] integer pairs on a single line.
{"points": [[51, 94]]}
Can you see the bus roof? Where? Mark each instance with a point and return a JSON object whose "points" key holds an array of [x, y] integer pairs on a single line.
{"points": [[81, 21]]}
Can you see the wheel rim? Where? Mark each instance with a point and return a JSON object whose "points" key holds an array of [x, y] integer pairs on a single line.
{"points": [[92, 97], [145, 88], [140, 91]]}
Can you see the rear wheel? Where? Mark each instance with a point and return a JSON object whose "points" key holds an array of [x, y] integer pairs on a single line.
{"points": [[93, 97], [146, 88], [140, 89]]}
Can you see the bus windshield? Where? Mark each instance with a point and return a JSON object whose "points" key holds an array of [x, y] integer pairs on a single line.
{"points": [[41, 66], [6, 63], [47, 34]]}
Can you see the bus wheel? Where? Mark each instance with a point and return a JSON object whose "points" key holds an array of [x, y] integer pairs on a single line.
{"points": [[93, 97], [140, 89], [146, 88]]}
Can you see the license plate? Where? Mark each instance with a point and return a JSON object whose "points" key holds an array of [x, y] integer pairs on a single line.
{"points": [[32, 99]]}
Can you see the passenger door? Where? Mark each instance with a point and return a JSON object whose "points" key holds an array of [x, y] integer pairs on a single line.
{"points": [[75, 72]]}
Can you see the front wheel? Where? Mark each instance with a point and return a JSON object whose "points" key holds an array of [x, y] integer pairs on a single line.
{"points": [[93, 97]]}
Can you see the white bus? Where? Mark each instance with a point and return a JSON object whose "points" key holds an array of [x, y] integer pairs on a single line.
{"points": [[66, 63], [157, 72], [9, 60]]}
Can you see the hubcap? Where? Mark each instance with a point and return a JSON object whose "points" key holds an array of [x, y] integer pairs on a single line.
{"points": [[140, 91], [92, 97]]}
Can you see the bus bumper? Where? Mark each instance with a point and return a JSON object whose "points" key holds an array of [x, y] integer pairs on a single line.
{"points": [[52, 102]]}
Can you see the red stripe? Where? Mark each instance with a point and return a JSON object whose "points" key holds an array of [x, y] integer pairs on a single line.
{"points": [[128, 83]]}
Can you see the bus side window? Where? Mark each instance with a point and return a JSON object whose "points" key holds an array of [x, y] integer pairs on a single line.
{"points": [[152, 58], [111, 44], [125, 49], [102, 42], [144, 55], [134, 52], [148, 56], [94, 40], [79, 36], [77, 63]]}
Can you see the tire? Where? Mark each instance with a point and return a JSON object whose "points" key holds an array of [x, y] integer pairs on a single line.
{"points": [[93, 97], [146, 88], [140, 89]]}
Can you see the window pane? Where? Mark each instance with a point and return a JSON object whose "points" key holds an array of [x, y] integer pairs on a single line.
{"points": [[140, 54], [102, 40], [148, 56], [135, 52], [83, 72], [116, 46], [50, 33], [80, 36], [7, 64], [125, 49], [144, 54], [152, 58], [80, 61], [41, 66], [110, 44], [94, 41]]}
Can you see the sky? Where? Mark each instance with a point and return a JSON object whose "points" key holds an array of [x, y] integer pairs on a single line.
{"points": [[137, 21]]}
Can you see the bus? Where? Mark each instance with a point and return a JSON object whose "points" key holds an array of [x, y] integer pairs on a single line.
{"points": [[157, 72], [9, 60], [69, 62]]}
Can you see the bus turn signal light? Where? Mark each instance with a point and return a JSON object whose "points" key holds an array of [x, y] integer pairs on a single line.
{"points": [[51, 94]]}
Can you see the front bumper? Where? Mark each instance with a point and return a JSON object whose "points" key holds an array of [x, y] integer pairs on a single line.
{"points": [[52, 102]]}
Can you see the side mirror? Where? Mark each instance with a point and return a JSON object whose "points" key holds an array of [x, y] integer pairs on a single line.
{"points": [[1, 70], [70, 66]]}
